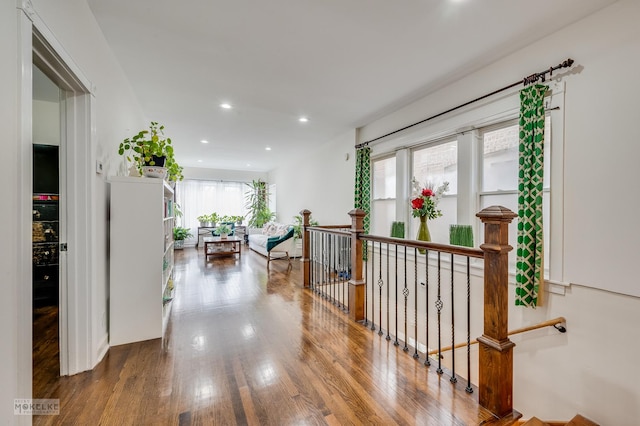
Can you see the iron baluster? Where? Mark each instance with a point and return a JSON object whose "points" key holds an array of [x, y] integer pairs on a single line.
{"points": [[396, 343], [373, 294], [427, 360], [415, 302], [388, 325], [469, 389], [380, 284], [439, 308], [453, 378], [405, 293]]}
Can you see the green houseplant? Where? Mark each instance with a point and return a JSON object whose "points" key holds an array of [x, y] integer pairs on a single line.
{"points": [[150, 148], [179, 235], [224, 230], [297, 226], [257, 203]]}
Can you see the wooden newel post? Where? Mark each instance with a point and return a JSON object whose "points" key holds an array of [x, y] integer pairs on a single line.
{"points": [[357, 283], [306, 263], [495, 389]]}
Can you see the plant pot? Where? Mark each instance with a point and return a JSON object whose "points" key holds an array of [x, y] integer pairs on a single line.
{"points": [[223, 236], [178, 244], [154, 172], [156, 161]]}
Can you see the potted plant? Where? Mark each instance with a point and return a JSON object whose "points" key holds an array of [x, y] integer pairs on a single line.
{"points": [[179, 235], [208, 220], [257, 203], [238, 219], [151, 153], [297, 233], [224, 230], [297, 226]]}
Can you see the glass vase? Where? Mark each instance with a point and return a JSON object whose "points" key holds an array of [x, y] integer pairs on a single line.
{"points": [[423, 232]]}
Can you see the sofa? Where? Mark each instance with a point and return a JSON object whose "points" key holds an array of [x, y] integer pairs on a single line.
{"points": [[274, 241]]}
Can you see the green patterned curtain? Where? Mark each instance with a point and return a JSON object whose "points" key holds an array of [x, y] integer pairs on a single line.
{"points": [[362, 198], [530, 267], [363, 184]]}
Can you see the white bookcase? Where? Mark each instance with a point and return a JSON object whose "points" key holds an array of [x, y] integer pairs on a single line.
{"points": [[141, 261]]}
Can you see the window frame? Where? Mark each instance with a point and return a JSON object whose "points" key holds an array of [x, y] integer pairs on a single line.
{"points": [[464, 126]]}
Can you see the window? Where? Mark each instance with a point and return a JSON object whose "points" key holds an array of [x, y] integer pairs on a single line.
{"points": [[499, 175], [383, 203], [434, 165], [198, 197], [477, 153]]}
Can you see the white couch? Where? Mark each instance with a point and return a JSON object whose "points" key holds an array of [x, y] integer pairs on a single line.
{"points": [[273, 240]]}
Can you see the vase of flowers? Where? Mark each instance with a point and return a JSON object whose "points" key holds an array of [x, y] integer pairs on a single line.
{"points": [[424, 205]]}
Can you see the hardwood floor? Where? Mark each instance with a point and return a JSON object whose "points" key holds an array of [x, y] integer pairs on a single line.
{"points": [[247, 346]]}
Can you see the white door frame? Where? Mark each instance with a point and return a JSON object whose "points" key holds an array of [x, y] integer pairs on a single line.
{"points": [[77, 297]]}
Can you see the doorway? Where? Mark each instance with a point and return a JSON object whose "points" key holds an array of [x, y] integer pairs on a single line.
{"points": [[48, 224]]}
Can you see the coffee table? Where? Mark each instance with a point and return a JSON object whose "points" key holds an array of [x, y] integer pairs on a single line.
{"points": [[216, 246]]}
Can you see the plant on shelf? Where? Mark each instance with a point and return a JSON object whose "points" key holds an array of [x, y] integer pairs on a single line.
{"points": [[297, 226], [237, 219], [257, 203], [179, 235], [208, 220], [150, 148]]}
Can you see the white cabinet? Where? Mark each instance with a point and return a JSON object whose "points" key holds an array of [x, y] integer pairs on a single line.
{"points": [[141, 260]]}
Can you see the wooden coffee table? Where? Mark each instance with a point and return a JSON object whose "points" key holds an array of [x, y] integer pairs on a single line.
{"points": [[216, 246]]}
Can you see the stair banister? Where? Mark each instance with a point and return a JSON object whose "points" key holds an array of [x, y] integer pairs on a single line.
{"points": [[495, 376]]}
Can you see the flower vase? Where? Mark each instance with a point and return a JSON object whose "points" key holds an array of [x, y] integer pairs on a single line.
{"points": [[423, 232]]}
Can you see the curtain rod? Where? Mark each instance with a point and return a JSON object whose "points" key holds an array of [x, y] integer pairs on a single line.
{"points": [[527, 80]]}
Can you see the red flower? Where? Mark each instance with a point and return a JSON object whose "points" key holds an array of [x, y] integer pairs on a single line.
{"points": [[427, 192], [417, 203]]}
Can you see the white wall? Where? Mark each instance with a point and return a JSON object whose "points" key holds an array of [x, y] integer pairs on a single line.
{"points": [[222, 175], [322, 182], [117, 112], [117, 115], [10, 376], [592, 369]]}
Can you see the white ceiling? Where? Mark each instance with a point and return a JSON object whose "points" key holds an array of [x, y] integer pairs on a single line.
{"points": [[342, 63]]}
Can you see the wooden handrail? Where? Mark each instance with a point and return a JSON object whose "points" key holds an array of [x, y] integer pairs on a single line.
{"points": [[445, 248], [548, 323]]}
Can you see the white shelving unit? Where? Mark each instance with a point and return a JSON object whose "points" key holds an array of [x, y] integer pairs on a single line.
{"points": [[141, 262]]}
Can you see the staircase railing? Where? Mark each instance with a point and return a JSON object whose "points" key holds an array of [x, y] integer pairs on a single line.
{"points": [[336, 267]]}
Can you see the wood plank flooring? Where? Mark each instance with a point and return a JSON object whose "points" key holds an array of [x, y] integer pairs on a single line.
{"points": [[247, 346]]}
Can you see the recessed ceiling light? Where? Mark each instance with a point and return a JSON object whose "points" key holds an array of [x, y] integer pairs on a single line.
{"points": [[204, 141], [225, 106], [303, 119], [268, 148], [199, 161], [248, 165]]}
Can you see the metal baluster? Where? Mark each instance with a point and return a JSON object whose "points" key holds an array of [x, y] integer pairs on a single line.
{"points": [[405, 293], [366, 278], [396, 343], [427, 360], [312, 255], [469, 389], [453, 378], [388, 325], [333, 269], [380, 284], [373, 294], [439, 308], [349, 266], [322, 254], [415, 302]]}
